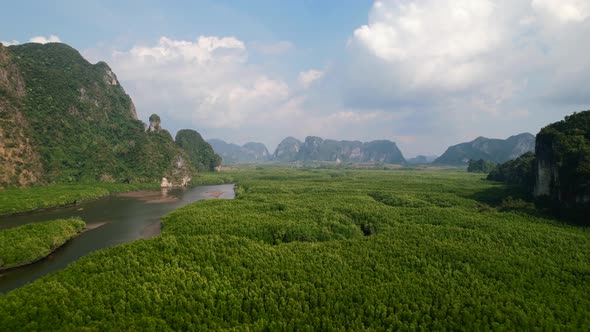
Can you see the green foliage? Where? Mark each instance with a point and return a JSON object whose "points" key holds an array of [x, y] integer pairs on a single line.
{"points": [[34, 198], [520, 171], [155, 118], [565, 146], [480, 166], [307, 250], [32, 242], [200, 153], [82, 121]]}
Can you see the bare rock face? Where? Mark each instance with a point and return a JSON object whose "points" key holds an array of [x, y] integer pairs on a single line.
{"points": [[20, 163], [178, 176], [110, 78], [154, 123], [133, 111]]}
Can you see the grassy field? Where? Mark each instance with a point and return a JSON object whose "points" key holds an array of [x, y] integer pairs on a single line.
{"points": [[31, 242], [330, 250], [34, 198]]}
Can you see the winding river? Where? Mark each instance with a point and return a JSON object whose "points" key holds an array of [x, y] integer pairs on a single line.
{"points": [[111, 220]]}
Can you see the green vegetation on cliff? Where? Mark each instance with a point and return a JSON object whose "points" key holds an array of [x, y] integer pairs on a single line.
{"points": [[480, 166], [199, 152], [328, 250], [488, 149], [563, 166], [520, 171], [76, 120], [32, 242]]}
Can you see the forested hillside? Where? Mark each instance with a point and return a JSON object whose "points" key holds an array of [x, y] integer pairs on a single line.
{"points": [[488, 149], [66, 120], [200, 153], [558, 173]]}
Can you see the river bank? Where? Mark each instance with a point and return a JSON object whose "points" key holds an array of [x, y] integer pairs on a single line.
{"points": [[28, 244], [34, 199], [114, 219]]}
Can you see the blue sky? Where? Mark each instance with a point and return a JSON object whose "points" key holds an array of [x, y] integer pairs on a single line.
{"points": [[424, 73]]}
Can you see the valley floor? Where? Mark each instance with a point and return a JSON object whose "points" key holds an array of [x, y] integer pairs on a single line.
{"points": [[327, 250]]}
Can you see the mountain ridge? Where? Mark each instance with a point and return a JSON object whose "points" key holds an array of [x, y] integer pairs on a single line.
{"points": [[315, 148], [489, 149]]}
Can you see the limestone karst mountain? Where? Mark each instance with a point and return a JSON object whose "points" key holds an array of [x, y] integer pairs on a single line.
{"points": [[317, 149], [64, 119], [489, 149], [233, 153]]}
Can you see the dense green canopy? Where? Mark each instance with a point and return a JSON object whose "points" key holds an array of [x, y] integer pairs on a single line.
{"points": [[328, 250]]}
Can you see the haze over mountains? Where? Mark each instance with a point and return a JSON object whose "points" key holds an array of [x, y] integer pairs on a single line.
{"points": [[314, 148], [233, 153]]}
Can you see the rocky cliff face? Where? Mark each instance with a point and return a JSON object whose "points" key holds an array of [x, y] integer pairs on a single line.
{"points": [[287, 150], [562, 174], [317, 149], [20, 163], [494, 150], [250, 152], [200, 153]]}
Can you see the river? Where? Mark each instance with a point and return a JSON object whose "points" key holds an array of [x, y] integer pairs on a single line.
{"points": [[118, 219]]}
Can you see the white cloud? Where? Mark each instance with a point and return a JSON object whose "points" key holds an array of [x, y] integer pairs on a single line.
{"points": [[307, 78], [207, 82], [465, 68], [9, 43], [438, 41], [564, 10], [45, 40], [277, 48]]}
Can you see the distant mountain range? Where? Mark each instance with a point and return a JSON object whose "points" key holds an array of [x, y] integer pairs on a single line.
{"points": [[495, 150], [317, 149], [233, 153]]}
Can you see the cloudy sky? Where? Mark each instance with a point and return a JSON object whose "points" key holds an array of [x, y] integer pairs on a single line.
{"points": [[424, 73]]}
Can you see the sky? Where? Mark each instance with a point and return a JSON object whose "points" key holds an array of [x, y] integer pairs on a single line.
{"points": [[426, 74]]}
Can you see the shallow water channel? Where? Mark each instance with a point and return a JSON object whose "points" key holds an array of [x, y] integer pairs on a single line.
{"points": [[118, 219]]}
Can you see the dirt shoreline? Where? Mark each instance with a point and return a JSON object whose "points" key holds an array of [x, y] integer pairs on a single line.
{"points": [[149, 196], [215, 194], [151, 231]]}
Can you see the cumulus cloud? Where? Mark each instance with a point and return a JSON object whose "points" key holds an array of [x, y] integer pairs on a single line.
{"points": [[306, 78], [207, 82], [9, 42], [45, 40], [465, 68]]}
